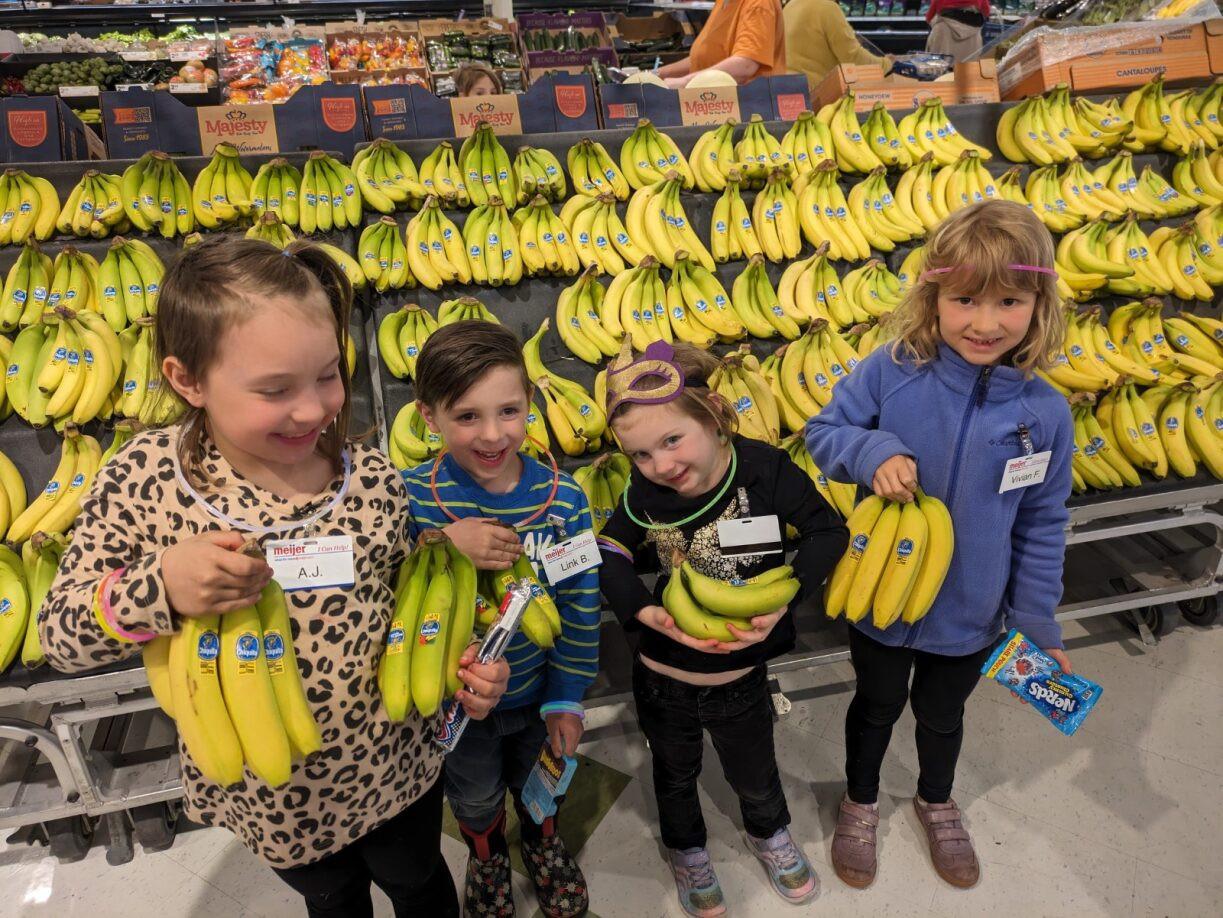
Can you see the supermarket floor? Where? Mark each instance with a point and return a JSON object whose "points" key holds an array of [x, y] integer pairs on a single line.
{"points": [[1125, 818]]}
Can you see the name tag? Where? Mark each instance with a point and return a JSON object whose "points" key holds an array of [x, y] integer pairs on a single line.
{"points": [[1025, 471], [571, 557], [311, 564], [749, 535]]}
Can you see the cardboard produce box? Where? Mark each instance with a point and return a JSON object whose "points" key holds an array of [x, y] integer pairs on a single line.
{"points": [[44, 129], [592, 27], [969, 83], [778, 98], [640, 40], [1111, 58]]}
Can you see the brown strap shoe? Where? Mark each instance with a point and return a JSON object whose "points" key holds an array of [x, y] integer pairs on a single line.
{"points": [[853, 844], [950, 846]]}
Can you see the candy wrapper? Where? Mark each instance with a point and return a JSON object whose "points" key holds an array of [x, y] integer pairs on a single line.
{"points": [[1034, 676]]}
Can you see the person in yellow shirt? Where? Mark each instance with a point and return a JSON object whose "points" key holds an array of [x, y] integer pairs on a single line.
{"points": [[745, 38], [819, 37]]}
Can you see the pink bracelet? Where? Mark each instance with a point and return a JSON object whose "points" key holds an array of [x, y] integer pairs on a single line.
{"points": [[136, 637]]}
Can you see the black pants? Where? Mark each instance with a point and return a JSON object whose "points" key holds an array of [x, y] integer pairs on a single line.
{"points": [[403, 856], [941, 685], [673, 716]]}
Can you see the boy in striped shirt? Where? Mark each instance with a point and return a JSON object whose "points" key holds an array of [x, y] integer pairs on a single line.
{"points": [[495, 503]]}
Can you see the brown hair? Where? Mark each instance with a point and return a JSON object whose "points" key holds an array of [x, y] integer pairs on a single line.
{"points": [[466, 77], [456, 357], [980, 242], [697, 400], [216, 285]]}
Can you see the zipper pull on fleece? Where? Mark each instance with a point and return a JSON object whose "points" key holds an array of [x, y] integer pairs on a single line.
{"points": [[983, 385]]}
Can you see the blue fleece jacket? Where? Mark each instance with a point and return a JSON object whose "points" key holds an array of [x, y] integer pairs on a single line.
{"points": [[960, 423]]}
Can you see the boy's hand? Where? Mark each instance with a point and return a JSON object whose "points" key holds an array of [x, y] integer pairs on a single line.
{"points": [[564, 732], [762, 627], [485, 683], [491, 545], [660, 620], [896, 479], [206, 574]]}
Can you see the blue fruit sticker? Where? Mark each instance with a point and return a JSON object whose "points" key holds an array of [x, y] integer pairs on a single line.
{"points": [[904, 548]]}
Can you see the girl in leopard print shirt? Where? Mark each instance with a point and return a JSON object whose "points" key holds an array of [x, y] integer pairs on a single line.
{"points": [[251, 338]]}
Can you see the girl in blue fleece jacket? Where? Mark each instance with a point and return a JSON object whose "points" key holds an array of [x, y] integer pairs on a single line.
{"points": [[947, 405]]}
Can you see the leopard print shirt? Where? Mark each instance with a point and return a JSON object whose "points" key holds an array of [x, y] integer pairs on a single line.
{"points": [[369, 769]]}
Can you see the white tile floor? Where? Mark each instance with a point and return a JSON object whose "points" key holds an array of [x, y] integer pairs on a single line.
{"points": [[1125, 818]]}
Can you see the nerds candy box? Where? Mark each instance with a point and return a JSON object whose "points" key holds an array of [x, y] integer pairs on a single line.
{"points": [[1035, 677]]}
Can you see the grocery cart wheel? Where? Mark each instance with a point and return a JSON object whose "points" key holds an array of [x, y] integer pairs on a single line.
{"points": [[154, 825], [1200, 611], [69, 838], [1156, 618]]}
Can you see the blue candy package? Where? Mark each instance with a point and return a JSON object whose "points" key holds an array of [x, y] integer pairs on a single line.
{"points": [[1034, 676], [548, 780]]}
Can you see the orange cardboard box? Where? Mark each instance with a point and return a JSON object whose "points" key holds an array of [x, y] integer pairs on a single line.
{"points": [[969, 83]]}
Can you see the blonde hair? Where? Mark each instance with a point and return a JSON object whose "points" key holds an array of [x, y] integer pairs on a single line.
{"points": [[216, 285], [697, 400], [981, 242]]}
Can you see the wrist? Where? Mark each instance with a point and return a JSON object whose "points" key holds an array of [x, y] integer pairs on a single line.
{"points": [[105, 614], [562, 707]]}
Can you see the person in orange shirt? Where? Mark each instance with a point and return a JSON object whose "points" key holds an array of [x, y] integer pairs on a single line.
{"points": [[745, 38]]}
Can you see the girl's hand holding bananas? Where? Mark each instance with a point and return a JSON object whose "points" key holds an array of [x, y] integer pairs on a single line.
{"points": [[485, 683], [206, 575], [762, 627], [659, 619], [896, 479], [490, 545]]}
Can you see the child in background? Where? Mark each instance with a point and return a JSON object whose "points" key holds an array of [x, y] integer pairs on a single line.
{"points": [[252, 338], [495, 503], [690, 472], [947, 405], [477, 79]]}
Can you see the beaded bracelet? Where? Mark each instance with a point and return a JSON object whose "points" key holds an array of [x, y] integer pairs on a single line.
{"points": [[562, 707], [106, 615]]}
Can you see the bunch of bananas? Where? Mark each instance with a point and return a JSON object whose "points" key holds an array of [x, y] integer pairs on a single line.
{"points": [[756, 304], [493, 248], [579, 319], [538, 171], [1095, 460], [880, 217], [145, 394], [384, 257], [13, 496], [647, 155], [232, 685], [1050, 129], [541, 622], [29, 208], [74, 280], [487, 171], [824, 214], [927, 129], [271, 229], [1086, 196], [871, 335], [775, 219], [436, 253], [840, 496], [703, 606], [807, 143], [431, 626], [410, 441], [330, 197], [713, 158], [758, 153], [810, 288], [345, 262], [593, 170], [544, 241], [95, 208], [578, 423], [441, 176], [603, 481], [599, 237], [883, 137], [657, 220], [276, 189], [26, 288], [698, 307], [812, 365], [401, 335], [1162, 122], [1147, 194], [464, 309], [25, 580], [129, 282], [788, 414], [871, 291], [850, 149], [154, 195], [896, 562], [387, 177], [59, 502], [740, 381], [1194, 176], [221, 193], [1180, 251], [732, 237]]}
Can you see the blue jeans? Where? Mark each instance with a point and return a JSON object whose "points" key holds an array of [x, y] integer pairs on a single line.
{"points": [[494, 754]]}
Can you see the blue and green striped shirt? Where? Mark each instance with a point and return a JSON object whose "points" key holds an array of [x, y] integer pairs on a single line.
{"points": [[565, 672]]}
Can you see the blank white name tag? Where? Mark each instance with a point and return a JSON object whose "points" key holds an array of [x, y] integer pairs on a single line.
{"points": [[1024, 471], [571, 557], [311, 564], [749, 535]]}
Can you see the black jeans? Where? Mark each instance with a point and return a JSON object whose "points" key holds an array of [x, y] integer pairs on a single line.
{"points": [[403, 856], [941, 685], [673, 716]]}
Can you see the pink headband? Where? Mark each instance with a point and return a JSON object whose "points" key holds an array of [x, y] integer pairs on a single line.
{"points": [[1037, 268]]}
